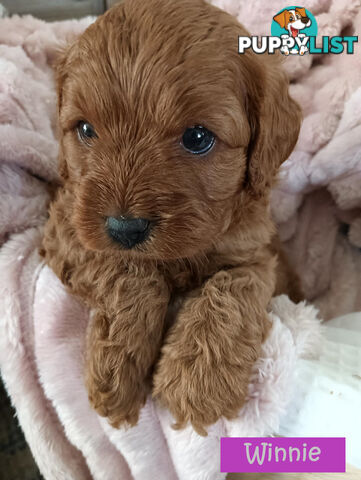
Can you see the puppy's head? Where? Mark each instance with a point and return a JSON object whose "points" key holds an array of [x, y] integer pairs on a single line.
{"points": [[164, 127]]}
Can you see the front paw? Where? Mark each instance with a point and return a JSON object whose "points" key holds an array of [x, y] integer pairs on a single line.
{"points": [[115, 390], [198, 389]]}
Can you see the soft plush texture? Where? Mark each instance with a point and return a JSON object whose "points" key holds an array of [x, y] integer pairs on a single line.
{"points": [[330, 387], [42, 369], [46, 388]]}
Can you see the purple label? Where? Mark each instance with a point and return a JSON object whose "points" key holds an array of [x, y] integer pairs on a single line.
{"points": [[276, 454]]}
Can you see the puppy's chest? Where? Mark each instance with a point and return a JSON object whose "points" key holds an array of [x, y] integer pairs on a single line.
{"points": [[185, 276], [185, 280]]}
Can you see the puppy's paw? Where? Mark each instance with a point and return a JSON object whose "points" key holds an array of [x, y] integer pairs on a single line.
{"points": [[116, 392], [197, 389]]}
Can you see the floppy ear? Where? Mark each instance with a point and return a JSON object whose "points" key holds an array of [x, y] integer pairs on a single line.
{"points": [[281, 18], [60, 68], [301, 11], [275, 121]]}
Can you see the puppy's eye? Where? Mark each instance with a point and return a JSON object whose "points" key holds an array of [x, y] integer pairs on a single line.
{"points": [[198, 140], [86, 131], [291, 19]]}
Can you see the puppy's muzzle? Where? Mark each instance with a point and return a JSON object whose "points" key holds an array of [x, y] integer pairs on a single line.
{"points": [[128, 232]]}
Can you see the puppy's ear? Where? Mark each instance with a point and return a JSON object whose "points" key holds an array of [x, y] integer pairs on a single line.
{"points": [[61, 64], [282, 18], [301, 11], [275, 121], [60, 68], [62, 166]]}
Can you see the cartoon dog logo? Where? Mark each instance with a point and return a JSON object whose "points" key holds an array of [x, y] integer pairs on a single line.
{"points": [[293, 20]]}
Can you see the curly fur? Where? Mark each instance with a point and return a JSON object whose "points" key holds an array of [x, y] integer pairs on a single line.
{"points": [[184, 314]]}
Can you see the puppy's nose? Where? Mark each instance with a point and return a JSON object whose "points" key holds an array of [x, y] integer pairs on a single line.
{"points": [[127, 231], [305, 20]]}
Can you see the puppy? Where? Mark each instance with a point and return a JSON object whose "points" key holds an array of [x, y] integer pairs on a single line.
{"points": [[169, 145]]}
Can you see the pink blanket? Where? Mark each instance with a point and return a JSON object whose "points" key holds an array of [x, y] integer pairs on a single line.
{"points": [[317, 204]]}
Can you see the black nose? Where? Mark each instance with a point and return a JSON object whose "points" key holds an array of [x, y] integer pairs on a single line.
{"points": [[128, 231], [305, 20]]}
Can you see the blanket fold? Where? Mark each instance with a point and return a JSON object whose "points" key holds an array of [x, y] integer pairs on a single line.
{"points": [[50, 396]]}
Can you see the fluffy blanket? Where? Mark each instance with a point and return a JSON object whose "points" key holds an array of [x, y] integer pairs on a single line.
{"points": [[317, 204]]}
